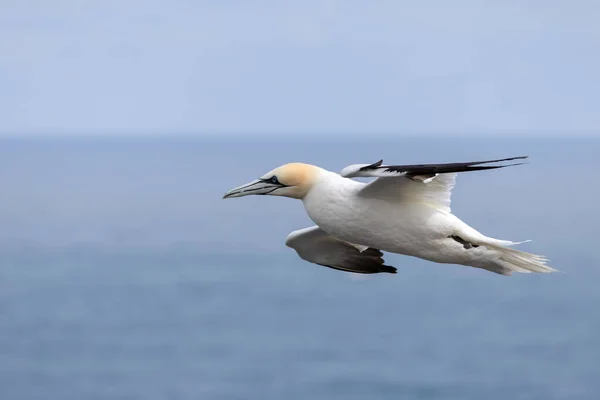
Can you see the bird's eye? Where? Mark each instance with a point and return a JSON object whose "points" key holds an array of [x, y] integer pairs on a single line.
{"points": [[274, 180]]}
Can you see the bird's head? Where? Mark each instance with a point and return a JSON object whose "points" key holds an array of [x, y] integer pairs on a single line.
{"points": [[290, 180]]}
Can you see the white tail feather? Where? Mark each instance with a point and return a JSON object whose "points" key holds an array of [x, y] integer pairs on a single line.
{"points": [[512, 260], [499, 242]]}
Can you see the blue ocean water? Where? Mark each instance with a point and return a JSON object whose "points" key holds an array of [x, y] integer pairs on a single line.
{"points": [[124, 275]]}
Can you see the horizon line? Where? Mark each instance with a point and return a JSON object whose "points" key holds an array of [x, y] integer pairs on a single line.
{"points": [[300, 135]]}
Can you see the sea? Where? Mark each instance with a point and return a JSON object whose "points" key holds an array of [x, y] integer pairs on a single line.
{"points": [[124, 275]]}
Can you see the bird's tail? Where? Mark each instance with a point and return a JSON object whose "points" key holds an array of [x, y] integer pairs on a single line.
{"points": [[506, 260]]}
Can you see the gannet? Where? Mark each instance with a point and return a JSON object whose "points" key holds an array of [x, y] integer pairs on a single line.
{"points": [[404, 210]]}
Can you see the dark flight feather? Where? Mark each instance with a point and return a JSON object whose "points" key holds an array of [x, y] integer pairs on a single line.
{"points": [[432, 169]]}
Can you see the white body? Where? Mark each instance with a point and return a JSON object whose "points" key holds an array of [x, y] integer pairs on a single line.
{"points": [[415, 228]]}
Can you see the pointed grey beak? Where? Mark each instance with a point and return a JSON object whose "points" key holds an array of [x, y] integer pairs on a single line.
{"points": [[255, 187]]}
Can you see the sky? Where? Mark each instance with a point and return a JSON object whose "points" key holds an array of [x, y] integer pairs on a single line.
{"points": [[305, 67]]}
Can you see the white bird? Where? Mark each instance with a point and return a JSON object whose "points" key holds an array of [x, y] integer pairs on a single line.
{"points": [[405, 210]]}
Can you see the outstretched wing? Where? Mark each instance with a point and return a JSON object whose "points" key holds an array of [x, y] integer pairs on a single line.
{"points": [[318, 247], [420, 172], [430, 183]]}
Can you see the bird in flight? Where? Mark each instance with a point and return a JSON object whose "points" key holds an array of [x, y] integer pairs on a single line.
{"points": [[404, 210]]}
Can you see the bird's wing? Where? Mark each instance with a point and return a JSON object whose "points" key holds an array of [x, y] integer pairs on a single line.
{"points": [[431, 183], [316, 246]]}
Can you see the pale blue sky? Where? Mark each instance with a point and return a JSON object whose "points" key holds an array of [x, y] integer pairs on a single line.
{"points": [[277, 67]]}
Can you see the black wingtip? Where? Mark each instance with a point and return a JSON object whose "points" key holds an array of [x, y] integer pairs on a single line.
{"points": [[515, 164], [371, 166], [495, 166], [388, 269], [476, 165], [372, 252], [500, 160]]}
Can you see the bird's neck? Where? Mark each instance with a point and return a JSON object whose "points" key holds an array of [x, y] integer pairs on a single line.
{"points": [[330, 187]]}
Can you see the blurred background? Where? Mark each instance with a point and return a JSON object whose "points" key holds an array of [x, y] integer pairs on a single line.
{"points": [[123, 275]]}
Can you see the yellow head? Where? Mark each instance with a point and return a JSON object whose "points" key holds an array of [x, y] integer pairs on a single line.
{"points": [[290, 180]]}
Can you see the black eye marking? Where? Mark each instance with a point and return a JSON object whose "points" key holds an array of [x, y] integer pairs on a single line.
{"points": [[272, 180]]}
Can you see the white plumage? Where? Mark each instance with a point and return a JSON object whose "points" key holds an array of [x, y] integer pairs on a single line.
{"points": [[405, 210]]}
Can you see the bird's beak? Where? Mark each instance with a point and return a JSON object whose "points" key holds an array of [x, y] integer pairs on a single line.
{"points": [[255, 187]]}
